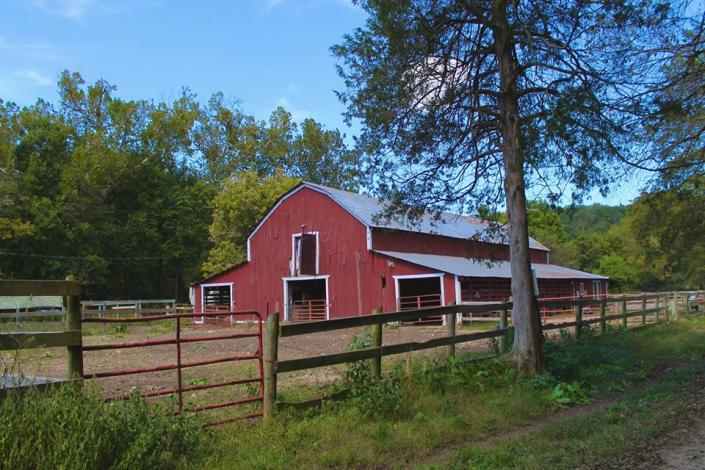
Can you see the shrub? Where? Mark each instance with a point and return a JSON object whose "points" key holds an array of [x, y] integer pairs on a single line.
{"points": [[69, 428]]}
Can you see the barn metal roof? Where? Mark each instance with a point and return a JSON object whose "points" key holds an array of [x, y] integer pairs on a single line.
{"points": [[468, 267], [368, 209]]}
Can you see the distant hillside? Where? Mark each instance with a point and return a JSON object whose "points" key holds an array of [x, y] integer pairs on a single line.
{"points": [[593, 218]]}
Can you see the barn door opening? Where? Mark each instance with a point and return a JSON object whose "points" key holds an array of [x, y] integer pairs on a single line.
{"points": [[216, 298], [419, 292], [305, 254], [306, 299]]}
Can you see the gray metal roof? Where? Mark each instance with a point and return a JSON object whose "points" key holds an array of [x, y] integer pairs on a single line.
{"points": [[462, 266], [367, 210]]}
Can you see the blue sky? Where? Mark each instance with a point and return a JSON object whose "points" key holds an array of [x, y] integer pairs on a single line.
{"points": [[263, 53]]}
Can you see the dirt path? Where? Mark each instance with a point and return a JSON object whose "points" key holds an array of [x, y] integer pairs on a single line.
{"points": [[689, 448], [687, 451]]}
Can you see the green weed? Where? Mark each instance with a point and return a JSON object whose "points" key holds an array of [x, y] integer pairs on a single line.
{"points": [[70, 428]]}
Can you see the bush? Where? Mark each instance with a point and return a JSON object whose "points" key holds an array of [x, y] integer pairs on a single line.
{"points": [[69, 428]]}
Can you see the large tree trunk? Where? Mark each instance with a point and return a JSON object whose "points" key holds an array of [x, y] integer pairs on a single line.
{"points": [[528, 337]]}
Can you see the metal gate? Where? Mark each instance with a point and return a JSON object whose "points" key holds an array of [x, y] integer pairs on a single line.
{"points": [[179, 365]]}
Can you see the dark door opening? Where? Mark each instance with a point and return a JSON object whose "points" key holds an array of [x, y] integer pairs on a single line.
{"points": [[418, 293], [306, 300]]}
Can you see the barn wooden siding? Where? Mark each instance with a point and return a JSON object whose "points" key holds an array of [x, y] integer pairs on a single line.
{"points": [[359, 280], [412, 242]]}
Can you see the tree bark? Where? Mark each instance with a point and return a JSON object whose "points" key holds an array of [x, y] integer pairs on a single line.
{"points": [[527, 352]]}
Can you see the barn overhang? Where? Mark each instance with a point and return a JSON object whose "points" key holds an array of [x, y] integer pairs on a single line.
{"points": [[468, 267]]}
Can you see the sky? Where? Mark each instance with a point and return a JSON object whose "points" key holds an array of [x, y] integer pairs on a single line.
{"points": [[262, 53]]}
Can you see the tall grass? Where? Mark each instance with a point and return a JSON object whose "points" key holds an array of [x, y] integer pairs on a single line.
{"points": [[74, 429]]}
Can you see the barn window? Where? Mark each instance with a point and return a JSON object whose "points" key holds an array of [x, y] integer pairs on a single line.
{"points": [[217, 296], [305, 254]]}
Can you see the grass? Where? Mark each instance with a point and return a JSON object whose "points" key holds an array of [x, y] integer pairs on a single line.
{"points": [[423, 407], [593, 438], [69, 428]]}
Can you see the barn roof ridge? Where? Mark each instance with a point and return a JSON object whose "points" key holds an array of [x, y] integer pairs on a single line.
{"points": [[365, 208]]}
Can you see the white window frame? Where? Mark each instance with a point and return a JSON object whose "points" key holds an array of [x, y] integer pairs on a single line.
{"points": [[304, 278], [215, 284], [441, 277], [292, 263]]}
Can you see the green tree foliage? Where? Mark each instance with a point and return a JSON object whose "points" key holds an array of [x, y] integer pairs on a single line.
{"points": [[232, 143], [240, 204], [657, 242], [121, 192], [668, 236], [675, 134]]}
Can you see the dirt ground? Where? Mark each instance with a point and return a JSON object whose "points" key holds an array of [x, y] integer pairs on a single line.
{"points": [[51, 362]]}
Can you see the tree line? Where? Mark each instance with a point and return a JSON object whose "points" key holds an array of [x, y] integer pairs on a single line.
{"points": [[134, 197]]}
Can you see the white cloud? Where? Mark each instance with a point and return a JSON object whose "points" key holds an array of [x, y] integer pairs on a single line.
{"points": [[35, 77], [41, 51], [297, 114], [75, 10], [271, 4], [293, 89]]}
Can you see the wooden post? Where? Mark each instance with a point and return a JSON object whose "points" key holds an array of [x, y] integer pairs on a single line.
{"points": [[578, 317], [625, 324], [377, 343], [603, 322], [643, 308], [271, 348], [450, 323], [503, 324], [658, 301], [674, 306], [73, 323]]}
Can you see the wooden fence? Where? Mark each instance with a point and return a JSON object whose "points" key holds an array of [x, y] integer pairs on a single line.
{"points": [[665, 305], [662, 306], [71, 337]]}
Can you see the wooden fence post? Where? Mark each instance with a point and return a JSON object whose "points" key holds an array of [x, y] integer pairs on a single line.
{"points": [[271, 348], [503, 325], [603, 322], [674, 306], [377, 343], [450, 323], [625, 324], [73, 322], [658, 301], [643, 308], [578, 317]]}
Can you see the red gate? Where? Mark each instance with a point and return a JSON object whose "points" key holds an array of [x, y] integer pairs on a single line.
{"points": [[177, 341]]}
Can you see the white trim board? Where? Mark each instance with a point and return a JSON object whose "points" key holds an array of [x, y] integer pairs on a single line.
{"points": [[216, 284], [292, 266]]}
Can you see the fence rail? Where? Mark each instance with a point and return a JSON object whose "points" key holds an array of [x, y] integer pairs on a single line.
{"points": [[672, 303], [71, 337], [622, 308], [179, 365]]}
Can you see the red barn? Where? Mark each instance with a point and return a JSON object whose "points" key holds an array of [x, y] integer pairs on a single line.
{"points": [[323, 253]]}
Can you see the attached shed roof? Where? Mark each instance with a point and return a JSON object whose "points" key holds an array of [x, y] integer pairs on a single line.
{"points": [[467, 267], [368, 209]]}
